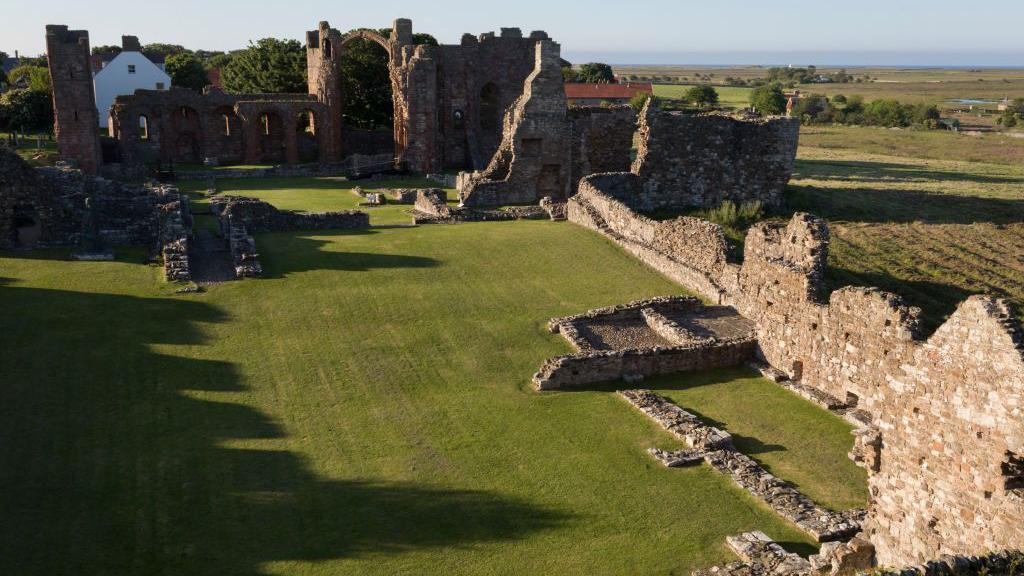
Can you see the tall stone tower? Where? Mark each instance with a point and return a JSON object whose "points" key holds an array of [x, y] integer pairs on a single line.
{"points": [[76, 121], [323, 65]]}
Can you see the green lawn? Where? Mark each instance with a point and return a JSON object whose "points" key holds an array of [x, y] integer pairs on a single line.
{"points": [[364, 409], [316, 194]]}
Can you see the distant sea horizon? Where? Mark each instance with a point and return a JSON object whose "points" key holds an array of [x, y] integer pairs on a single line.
{"points": [[913, 60]]}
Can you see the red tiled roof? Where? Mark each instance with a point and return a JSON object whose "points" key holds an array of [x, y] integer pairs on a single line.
{"points": [[213, 77], [625, 91]]}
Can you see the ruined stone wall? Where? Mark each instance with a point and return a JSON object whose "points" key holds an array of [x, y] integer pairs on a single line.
{"points": [[76, 122], [577, 370], [533, 160], [945, 468], [36, 210], [701, 160], [183, 126], [690, 251], [258, 216], [602, 140], [950, 479]]}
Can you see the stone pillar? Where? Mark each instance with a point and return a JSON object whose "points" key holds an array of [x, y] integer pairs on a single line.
{"points": [[252, 134], [323, 47], [76, 120], [291, 140]]}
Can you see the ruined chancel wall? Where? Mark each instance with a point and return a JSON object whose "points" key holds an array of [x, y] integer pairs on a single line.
{"points": [[701, 160], [947, 414], [546, 147]]}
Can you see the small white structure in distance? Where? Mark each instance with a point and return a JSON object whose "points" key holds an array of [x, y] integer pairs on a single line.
{"points": [[127, 72]]}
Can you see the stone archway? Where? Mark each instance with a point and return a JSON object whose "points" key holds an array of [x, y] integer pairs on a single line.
{"points": [[369, 132]]}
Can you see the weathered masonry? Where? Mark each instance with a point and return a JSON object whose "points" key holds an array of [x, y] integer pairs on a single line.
{"points": [[944, 448], [449, 102]]}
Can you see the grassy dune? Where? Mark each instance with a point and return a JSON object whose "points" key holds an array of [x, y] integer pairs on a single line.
{"points": [[364, 409]]}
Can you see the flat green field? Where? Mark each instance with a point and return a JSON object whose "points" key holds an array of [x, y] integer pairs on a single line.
{"points": [[364, 409], [728, 96], [322, 194], [933, 216]]}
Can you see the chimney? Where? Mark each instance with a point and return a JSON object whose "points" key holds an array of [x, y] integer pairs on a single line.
{"points": [[16, 57], [130, 44]]}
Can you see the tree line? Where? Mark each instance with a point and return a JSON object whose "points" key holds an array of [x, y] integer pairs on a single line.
{"points": [[267, 66]]}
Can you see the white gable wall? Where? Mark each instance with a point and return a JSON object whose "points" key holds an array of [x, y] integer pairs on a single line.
{"points": [[114, 80]]}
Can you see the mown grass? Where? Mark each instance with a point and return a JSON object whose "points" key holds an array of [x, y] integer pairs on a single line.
{"points": [[916, 214], [363, 409], [314, 194]]}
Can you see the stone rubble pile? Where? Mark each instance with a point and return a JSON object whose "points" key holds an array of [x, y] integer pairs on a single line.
{"points": [[431, 207]]}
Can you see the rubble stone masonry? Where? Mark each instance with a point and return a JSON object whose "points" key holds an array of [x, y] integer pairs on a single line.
{"points": [[946, 471]]}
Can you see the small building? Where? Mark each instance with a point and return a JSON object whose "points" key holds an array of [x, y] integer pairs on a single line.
{"points": [[8, 63], [591, 94], [123, 74], [1004, 105]]}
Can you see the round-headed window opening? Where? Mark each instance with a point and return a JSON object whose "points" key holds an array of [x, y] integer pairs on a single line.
{"points": [[143, 127]]}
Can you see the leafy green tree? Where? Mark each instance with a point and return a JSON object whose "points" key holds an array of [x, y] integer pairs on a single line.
{"points": [[366, 82], [596, 73], [269, 66], [164, 49], [106, 49], [839, 99], [38, 77], [220, 61], [186, 71], [703, 95], [639, 100], [768, 99], [26, 109]]}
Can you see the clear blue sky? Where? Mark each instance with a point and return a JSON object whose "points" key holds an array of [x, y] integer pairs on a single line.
{"points": [[647, 31]]}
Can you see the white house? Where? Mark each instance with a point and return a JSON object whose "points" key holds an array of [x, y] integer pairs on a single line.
{"points": [[127, 72]]}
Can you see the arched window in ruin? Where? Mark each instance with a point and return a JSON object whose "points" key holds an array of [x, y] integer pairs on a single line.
{"points": [[272, 140], [227, 124], [305, 122], [490, 106], [327, 48], [143, 127]]}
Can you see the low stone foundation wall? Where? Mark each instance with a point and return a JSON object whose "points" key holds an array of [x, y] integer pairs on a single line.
{"points": [[715, 447], [579, 370], [244, 257], [432, 207], [690, 251], [175, 231], [258, 216]]}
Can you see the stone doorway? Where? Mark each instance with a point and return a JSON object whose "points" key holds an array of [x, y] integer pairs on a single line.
{"points": [[28, 229], [549, 183]]}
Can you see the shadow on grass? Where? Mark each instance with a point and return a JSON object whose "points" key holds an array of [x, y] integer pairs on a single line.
{"points": [[285, 253], [882, 205], [888, 171], [110, 464]]}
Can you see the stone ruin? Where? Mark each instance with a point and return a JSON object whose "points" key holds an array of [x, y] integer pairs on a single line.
{"points": [[431, 207], [241, 217], [546, 147], [50, 207], [448, 103], [942, 418]]}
